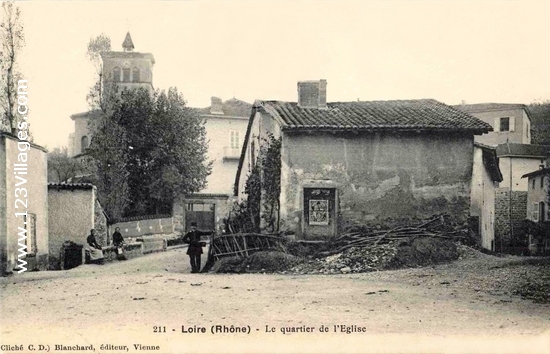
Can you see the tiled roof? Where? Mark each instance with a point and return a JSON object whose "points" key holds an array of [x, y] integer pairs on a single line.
{"points": [[523, 150], [483, 107], [424, 114], [14, 137], [490, 160], [232, 107], [542, 171], [70, 186], [89, 114]]}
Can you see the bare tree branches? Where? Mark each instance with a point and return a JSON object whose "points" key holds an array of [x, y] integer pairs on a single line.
{"points": [[12, 40]]}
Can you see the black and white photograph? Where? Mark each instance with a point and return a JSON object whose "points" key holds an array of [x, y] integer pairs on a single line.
{"points": [[310, 176]]}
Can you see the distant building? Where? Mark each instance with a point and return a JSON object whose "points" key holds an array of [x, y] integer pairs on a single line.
{"points": [[30, 200], [128, 70], [225, 124], [373, 162], [511, 122], [538, 208], [515, 160]]}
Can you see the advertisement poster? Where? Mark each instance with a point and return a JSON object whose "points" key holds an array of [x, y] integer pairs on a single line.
{"points": [[275, 177]]}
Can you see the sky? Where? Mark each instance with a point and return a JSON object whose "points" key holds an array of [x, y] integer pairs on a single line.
{"points": [[452, 51]]}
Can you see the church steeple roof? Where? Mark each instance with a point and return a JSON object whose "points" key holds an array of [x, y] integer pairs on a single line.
{"points": [[128, 45]]}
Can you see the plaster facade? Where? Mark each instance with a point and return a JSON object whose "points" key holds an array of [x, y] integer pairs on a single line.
{"points": [[482, 200], [73, 212], [519, 130], [34, 200], [513, 168]]}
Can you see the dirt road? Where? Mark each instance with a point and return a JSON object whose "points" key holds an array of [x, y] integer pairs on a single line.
{"points": [[122, 302]]}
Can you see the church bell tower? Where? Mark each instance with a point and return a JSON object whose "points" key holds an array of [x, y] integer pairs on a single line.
{"points": [[128, 69]]}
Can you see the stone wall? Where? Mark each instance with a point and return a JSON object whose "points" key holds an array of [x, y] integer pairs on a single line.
{"points": [[131, 250], [381, 178], [143, 226], [504, 240], [154, 243]]}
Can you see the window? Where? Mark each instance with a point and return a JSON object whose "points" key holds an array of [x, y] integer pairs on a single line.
{"points": [[542, 182], [135, 75], [126, 75], [504, 124], [535, 212], [234, 139], [30, 225], [84, 143], [116, 74], [542, 214], [533, 183]]}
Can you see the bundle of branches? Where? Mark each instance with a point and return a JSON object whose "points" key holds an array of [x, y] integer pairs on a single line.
{"points": [[435, 227], [243, 244]]}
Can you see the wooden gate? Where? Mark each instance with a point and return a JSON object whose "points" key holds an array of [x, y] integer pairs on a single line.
{"points": [[201, 213]]}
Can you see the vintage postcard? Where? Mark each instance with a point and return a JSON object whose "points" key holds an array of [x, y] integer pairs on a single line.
{"points": [[275, 177]]}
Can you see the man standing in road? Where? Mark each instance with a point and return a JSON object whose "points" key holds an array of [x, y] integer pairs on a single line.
{"points": [[193, 239]]}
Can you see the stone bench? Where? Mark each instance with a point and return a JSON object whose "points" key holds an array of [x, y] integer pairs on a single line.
{"points": [[131, 250]]}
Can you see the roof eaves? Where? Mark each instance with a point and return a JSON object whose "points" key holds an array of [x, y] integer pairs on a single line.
{"points": [[70, 186], [14, 137], [538, 172], [253, 111]]}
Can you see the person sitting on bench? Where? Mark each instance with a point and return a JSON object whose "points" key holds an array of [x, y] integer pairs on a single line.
{"points": [[96, 252]]}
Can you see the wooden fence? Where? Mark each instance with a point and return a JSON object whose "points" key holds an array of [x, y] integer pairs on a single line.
{"points": [[243, 244]]}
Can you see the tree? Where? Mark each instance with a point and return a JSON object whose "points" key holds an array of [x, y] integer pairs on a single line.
{"points": [[61, 167], [157, 146], [101, 43], [12, 40], [540, 122], [107, 158]]}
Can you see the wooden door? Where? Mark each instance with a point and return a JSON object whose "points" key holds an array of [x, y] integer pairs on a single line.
{"points": [[201, 213]]}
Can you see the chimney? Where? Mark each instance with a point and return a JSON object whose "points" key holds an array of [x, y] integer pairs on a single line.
{"points": [[312, 94], [216, 106]]}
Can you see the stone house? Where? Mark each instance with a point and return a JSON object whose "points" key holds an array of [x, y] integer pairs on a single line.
{"points": [[538, 208], [364, 162], [73, 211], [225, 124], [23, 204], [485, 178]]}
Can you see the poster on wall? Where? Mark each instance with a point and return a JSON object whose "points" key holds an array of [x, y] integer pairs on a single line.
{"points": [[318, 212], [133, 135]]}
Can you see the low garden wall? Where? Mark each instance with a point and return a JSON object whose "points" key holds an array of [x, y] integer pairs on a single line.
{"points": [[131, 250], [153, 243]]}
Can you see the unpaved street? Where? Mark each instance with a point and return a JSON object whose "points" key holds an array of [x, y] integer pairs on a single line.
{"points": [[400, 310]]}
